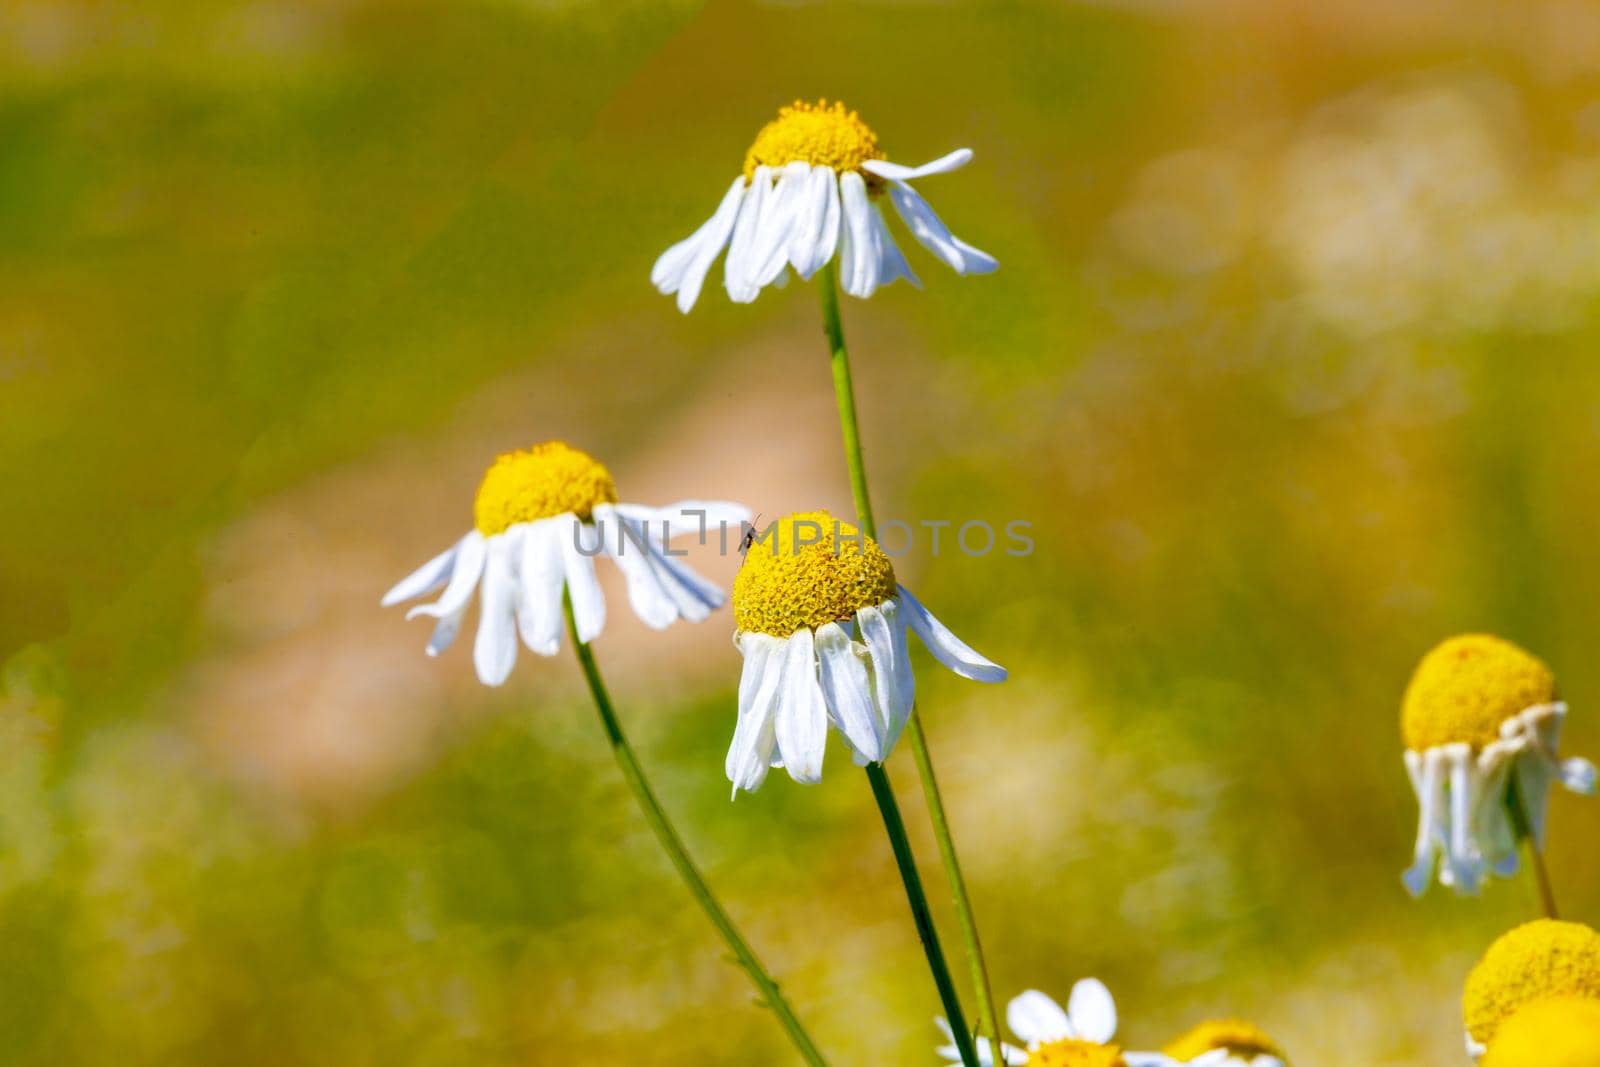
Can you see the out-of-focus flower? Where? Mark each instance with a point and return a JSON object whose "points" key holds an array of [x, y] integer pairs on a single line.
{"points": [[1542, 959], [1078, 1035], [1227, 1043], [809, 190], [1556, 1032], [1481, 722], [542, 515], [822, 628]]}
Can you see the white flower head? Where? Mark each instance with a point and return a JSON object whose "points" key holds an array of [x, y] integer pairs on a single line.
{"points": [[1482, 727], [542, 515], [822, 628], [811, 189], [1079, 1035]]}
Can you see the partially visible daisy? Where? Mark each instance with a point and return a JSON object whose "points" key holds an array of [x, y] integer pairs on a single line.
{"points": [[1537, 960], [1076, 1036], [542, 515], [1556, 1032], [822, 628], [1226, 1043], [811, 188], [1479, 718]]}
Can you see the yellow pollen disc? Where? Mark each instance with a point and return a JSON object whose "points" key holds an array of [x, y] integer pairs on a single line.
{"points": [[538, 482], [1237, 1036], [822, 134], [1558, 1032], [1070, 1053], [1466, 687], [1540, 959], [806, 570]]}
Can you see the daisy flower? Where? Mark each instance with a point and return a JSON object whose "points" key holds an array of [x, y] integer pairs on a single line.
{"points": [[1076, 1036], [1537, 960], [542, 515], [1482, 726], [811, 188], [1557, 1032], [822, 628], [1226, 1043]]}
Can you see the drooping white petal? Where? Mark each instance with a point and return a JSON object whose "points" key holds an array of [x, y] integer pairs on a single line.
{"points": [[892, 264], [494, 652], [849, 693], [625, 544], [1092, 1011], [1034, 1017], [463, 580], [1427, 779], [816, 234], [579, 545], [801, 724], [898, 172], [690, 518], [946, 647], [784, 211], [693, 596], [682, 268], [541, 574], [426, 578], [738, 270], [931, 232], [893, 688], [1462, 854], [754, 739], [859, 256]]}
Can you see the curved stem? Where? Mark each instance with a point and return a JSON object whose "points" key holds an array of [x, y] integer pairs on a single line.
{"points": [[674, 847], [1523, 828], [844, 395]]}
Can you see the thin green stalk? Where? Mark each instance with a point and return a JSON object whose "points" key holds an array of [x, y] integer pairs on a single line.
{"points": [[844, 395], [674, 847], [1523, 828]]}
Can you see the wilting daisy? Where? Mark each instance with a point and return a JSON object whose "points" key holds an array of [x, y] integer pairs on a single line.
{"points": [[1544, 958], [542, 515], [1482, 727], [1557, 1032], [1226, 1043], [1076, 1036], [812, 186], [822, 628]]}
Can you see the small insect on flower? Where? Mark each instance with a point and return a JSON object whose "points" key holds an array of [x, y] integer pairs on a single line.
{"points": [[1077, 1036], [810, 188], [1556, 1032], [1535, 961], [822, 628], [1226, 1043], [1482, 730], [542, 515]]}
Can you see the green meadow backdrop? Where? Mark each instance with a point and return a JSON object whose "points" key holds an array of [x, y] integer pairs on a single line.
{"points": [[1290, 363]]}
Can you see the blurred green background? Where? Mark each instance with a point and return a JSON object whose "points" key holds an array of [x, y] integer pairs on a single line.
{"points": [[1289, 363]]}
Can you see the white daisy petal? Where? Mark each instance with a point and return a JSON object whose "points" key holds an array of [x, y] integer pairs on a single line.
{"points": [[1428, 782], [541, 574], [892, 684], [785, 210], [682, 268], [898, 172], [689, 518], [693, 597], [425, 579], [806, 241], [1092, 1011], [892, 264], [579, 545], [754, 739], [1034, 1017], [737, 272], [650, 602], [848, 692], [931, 232], [946, 647], [494, 652], [858, 252], [801, 724], [463, 580]]}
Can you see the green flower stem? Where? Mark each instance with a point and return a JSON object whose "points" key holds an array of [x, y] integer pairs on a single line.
{"points": [[844, 394], [674, 847], [1523, 828]]}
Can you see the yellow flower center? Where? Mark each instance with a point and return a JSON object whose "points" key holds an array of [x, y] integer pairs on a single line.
{"points": [[538, 482], [1072, 1053], [1466, 687], [807, 570], [1558, 1032], [822, 134], [1540, 959], [1235, 1035]]}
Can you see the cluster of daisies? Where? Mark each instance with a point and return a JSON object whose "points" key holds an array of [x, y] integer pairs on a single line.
{"points": [[822, 622]]}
